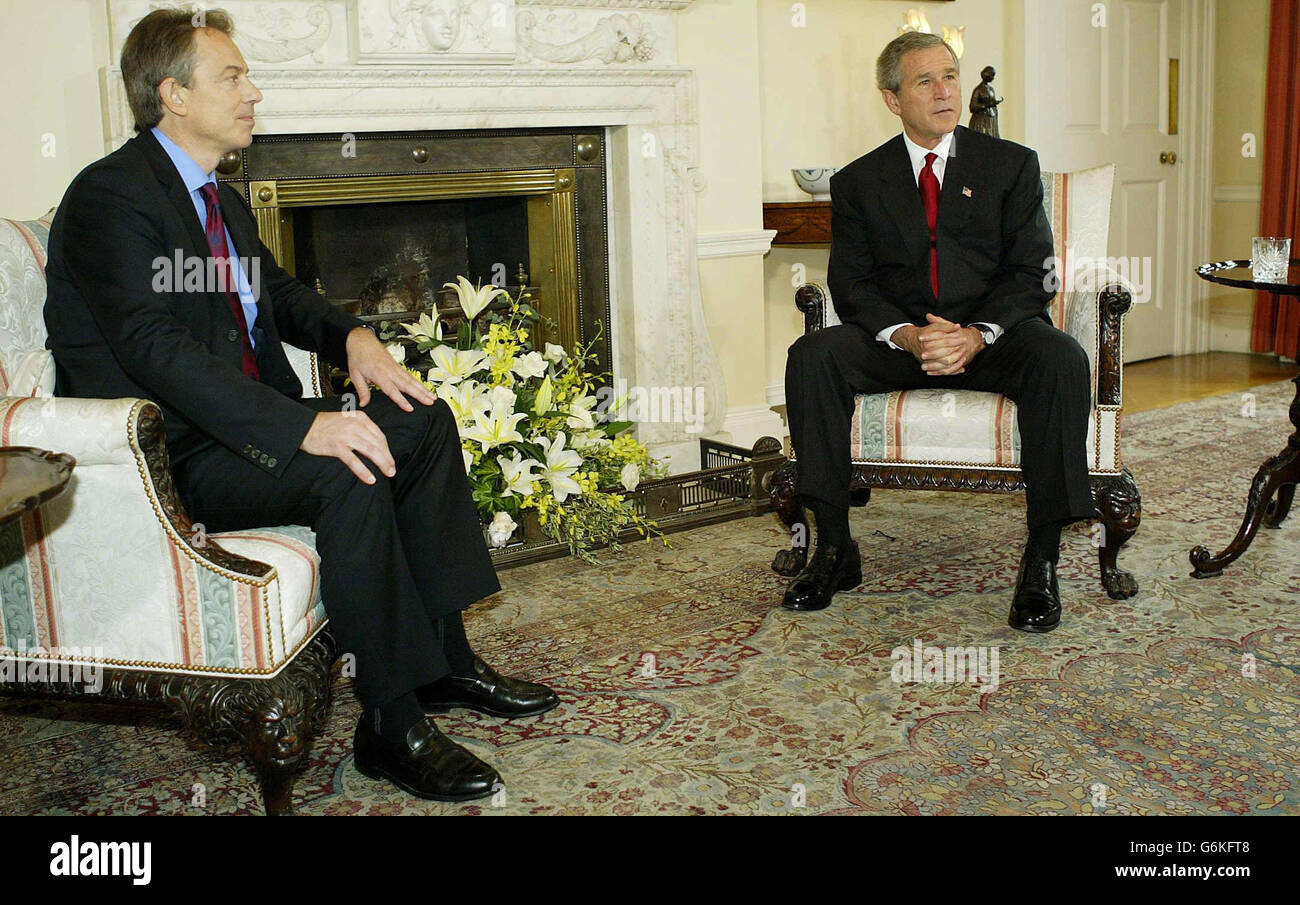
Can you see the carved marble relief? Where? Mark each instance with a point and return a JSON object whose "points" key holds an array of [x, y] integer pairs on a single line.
{"points": [[301, 32], [435, 31], [558, 38], [281, 34]]}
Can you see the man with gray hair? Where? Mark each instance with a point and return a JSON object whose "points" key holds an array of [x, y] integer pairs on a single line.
{"points": [[383, 486], [937, 271]]}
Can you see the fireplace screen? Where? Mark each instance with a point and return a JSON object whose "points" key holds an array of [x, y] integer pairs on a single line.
{"points": [[391, 261], [379, 228]]}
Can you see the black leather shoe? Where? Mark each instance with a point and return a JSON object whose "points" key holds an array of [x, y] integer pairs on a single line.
{"points": [[1036, 606], [430, 765], [831, 569], [487, 692]]}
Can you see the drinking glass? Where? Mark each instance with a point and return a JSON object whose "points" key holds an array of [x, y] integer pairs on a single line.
{"points": [[1269, 259]]}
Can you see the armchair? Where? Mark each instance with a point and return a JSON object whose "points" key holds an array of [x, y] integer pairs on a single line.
{"points": [[228, 630], [895, 445]]}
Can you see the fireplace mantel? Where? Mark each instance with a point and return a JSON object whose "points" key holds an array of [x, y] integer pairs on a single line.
{"points": [[607, 64]]}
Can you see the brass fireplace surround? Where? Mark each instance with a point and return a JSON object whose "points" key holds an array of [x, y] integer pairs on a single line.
{"points": [[560, 173]]}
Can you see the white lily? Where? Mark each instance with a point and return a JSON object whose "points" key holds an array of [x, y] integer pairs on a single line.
{"points": [[426, 329], [501, 396], [542, 401], [586, 439], [560, 465], [580, 416], [496, 425], [518, 473], [630, 476], [464, 399], [469, 459], [398, 351], [501, 528], [452, 365], [554, 353], [473, 300], [530, 365]]}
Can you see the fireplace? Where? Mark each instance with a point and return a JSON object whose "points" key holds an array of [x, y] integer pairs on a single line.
{"points": [[379, 222], [600, 68]]}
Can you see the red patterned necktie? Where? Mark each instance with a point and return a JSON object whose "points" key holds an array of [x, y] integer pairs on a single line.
{"points": [[215, 227], [928, 183]]}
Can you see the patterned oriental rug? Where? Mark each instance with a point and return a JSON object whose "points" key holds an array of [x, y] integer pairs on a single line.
{"points": [[686, 688]]}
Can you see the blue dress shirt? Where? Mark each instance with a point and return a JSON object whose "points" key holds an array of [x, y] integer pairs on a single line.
{"points": [[194, 177]]}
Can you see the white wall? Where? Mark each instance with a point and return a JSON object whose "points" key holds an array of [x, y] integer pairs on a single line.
{"points": [[49, 50]]}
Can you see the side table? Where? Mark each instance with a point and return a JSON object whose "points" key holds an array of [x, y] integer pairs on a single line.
{"points": [[30, 477], [1273, 488]]}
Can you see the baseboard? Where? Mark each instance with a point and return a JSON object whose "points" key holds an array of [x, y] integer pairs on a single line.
{"points": [[747, 424]]}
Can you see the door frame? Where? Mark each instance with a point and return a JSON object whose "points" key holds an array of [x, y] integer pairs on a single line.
{"points": [[1196, 179]]}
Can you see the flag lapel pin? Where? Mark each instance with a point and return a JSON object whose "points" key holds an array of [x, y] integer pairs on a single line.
{"points": [[965, 190]]}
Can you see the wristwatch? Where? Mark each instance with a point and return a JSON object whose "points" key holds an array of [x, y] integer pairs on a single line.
{"points": [[986, 332]]}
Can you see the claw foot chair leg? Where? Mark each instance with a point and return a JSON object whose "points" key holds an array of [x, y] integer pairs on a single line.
{"points": [[792, 515], [272, 721], [1119, 506]]}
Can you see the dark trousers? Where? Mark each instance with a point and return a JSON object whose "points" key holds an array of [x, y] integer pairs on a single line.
{"points": [[395, 555], [1040, 368]]}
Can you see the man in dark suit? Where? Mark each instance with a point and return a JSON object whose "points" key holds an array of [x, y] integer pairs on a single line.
{"points": [[939, 273], [383, 486]]}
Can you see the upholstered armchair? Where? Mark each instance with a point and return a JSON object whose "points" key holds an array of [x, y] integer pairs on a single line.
{"points": [[968, 440], [226, 630]]}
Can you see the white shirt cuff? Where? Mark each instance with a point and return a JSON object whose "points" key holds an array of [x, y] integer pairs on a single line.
{"points": [[885, 336], [997, 331]]}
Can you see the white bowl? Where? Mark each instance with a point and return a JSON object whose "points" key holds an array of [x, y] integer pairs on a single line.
{"points": [[816, 181]]}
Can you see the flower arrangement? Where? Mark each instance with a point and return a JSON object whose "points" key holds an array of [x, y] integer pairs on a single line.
{"points": [[531, 432]]}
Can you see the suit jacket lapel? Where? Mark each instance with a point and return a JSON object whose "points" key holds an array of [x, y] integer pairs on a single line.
{"points": [[245, 244], [165, 171], [903, 200], [960, 176], [962, 181]]}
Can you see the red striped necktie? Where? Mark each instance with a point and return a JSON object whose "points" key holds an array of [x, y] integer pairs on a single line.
{"points": [[928, 183], [215, 227]]}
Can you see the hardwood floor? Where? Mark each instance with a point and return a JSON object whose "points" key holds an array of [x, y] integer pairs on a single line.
{"points": [[1160, 382]]}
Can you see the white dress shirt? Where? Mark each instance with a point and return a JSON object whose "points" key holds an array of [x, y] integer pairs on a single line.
{"points": [[942, 151]]}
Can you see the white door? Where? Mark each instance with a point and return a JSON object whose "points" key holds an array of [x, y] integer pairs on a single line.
{"points": [[1097, 91]]}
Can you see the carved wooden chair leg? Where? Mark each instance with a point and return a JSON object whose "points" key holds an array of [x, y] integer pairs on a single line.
{"points": [[1119, 506], [273, 721], [792, 515], [859, 495], [1277, 510]]}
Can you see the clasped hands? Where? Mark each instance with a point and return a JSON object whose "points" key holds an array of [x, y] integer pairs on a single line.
{"points": [[344, 434], [942, 347]]}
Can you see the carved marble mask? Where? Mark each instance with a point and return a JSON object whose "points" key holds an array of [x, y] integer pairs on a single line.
{"points": [[440, 22]]}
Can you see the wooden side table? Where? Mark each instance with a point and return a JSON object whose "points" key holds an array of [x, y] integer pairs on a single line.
{"points": [[30, 477], [1273, 488], [798, 222]]}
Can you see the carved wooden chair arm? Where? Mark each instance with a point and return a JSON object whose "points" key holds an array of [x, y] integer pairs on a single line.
{"points": [[811, 299], [1113, 301], [112, 435]]}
